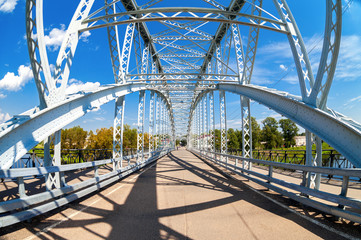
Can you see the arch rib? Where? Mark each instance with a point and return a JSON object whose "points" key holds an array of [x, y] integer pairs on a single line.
{"points": [[18, 140], [344, 137]]}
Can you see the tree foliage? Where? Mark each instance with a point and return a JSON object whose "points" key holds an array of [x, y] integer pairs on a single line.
{"points": [[103, 139], [73, 138], [256, 133], [289, 131], [232, 138], [270, 134], [130, 137]]}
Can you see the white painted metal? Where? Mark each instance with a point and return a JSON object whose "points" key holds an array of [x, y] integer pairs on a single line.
{"points": [[300, 55], [151, 121], [140, 135], [252, 43], [331, 47], [223, 121], [246, 131], [211, 122], [118, 128]]}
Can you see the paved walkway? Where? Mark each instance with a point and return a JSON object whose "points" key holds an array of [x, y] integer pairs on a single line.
{"points": [[179, 197]]}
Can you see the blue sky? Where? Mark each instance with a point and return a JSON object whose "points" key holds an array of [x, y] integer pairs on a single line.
{"points": [[274, 63]]}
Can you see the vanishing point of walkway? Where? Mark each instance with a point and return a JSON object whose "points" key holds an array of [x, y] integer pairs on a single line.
{"points": [[179, 197]]}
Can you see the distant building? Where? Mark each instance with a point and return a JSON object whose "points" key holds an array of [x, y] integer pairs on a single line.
{"points": [[300, 141]]}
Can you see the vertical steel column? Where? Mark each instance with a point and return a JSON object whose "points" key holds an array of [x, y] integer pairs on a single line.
{"points": [[161, 124], [222, 108], [168, 129], [140, 136], [151, 122], [201, 125], [126, 51], [245, 106], [165, 126], [118, 128], [313, 180], [246, 132], [211, 123], [239, 51], [157, 121], [318, 161], [205, 124], [195, 117], [194, 122], [223, 123], [120, 72], [53, 180], [145, 62]]}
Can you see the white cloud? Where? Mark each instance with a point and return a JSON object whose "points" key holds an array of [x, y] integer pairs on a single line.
{"points": [[262, 75], [352, 102], [279, 49], [355, 99], [100, 119], [55, 38], [78, 86], [348, 65], [7, 6], [2, 96], [4, 116], [283, 67], [84, 36], [234, 123], [12, 82], [349, 61]]}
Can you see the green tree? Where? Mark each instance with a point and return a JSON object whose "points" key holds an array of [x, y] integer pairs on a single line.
{"points": [[129, 137], [256, 133], [232, 139], [103, 139], [217, 142], [239, 137], [73, 138], [270, 133], [289, 131]]}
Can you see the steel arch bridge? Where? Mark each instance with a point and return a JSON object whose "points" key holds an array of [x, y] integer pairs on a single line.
{"points": [[181, 56]]}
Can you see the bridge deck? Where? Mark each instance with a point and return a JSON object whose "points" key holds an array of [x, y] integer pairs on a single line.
{"points": [[179, 197]]}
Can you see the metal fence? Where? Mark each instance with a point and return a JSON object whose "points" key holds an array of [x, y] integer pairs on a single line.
{"points": [[34, 158], [330, 157]]}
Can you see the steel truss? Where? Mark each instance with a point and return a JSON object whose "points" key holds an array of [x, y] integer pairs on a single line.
{"points": [[182, 62]]}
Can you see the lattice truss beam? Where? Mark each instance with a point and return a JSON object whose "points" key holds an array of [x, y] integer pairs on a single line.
{"points": [[180, 52], [183, 49]]}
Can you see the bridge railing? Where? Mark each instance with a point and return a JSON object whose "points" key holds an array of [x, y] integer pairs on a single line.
{"points": [[34, 158], [24, 206], [335, 203], [330, 157]]}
